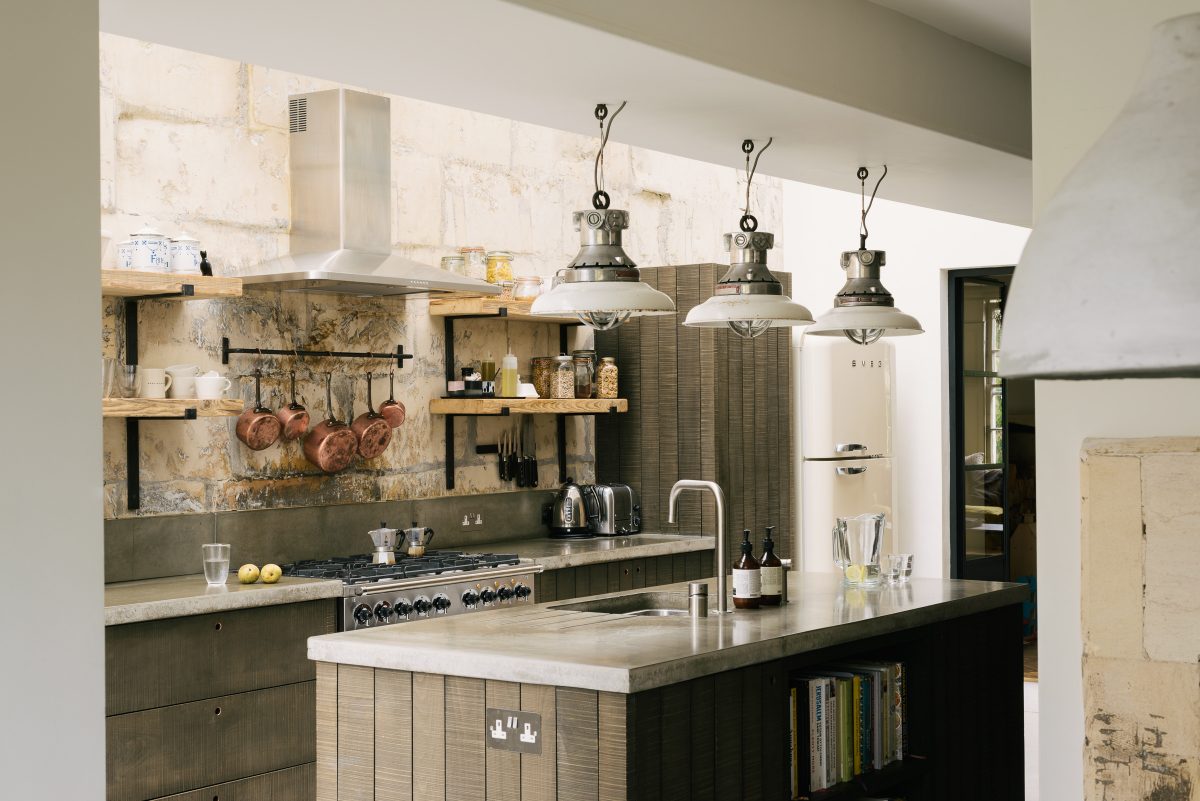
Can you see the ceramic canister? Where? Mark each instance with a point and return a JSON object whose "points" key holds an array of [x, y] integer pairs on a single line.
{"points": [[185, 255], [125, 255], [150, 251]]}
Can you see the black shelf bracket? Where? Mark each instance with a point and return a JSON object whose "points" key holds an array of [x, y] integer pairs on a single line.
{"points": [[133, 440], [226, 351], [560, 420]]}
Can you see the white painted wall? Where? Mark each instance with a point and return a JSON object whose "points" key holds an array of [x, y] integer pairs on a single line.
{"points": [[52, 674], [1087, 55], [921, 245]]}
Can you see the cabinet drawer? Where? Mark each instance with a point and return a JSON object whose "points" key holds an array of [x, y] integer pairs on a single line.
{"points": [[290, 784], [171, 749], [181, 659]]}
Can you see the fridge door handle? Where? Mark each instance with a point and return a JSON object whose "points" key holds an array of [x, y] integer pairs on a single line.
{"points": [[844, 447], [850, 471]]}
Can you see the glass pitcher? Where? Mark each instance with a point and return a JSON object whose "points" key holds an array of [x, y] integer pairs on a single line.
{"points": [[856, 546]]}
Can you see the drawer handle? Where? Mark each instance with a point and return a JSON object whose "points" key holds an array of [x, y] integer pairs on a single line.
{"points": [[217, 711], [217, 627]]}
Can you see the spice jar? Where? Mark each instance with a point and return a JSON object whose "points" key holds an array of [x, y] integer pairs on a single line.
{"points": [[584, 374], [499, 266], [606, 378], [563, 384], [454, 264], [475, 262], [527, 287], [543, 375]]}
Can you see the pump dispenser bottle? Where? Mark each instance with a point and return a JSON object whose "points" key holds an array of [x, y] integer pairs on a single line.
{"points": [[747, 577], [772, 572]]}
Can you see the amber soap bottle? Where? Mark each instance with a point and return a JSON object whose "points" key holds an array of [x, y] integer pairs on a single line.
{"points": [[747, 577], [771, 571]]}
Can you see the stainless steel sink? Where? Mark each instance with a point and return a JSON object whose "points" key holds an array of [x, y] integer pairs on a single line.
{"points": [[639, 604]]}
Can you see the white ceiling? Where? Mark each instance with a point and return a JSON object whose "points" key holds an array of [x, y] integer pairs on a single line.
{"points": [[1001, 26], [949, 118]]}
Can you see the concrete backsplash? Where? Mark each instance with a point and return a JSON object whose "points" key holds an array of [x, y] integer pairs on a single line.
{"points": [[1141, 618], [197, 144]]}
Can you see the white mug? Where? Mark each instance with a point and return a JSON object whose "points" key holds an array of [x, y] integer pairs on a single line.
{"points": [[150, 251], [153, 382], [185, 255], [183, 380], [212, 387]]}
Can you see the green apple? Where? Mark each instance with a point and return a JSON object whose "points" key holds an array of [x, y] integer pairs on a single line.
{"points": [[248, 574], [271, 574]]}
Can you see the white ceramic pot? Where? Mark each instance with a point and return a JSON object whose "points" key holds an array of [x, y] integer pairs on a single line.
{"points": [[183, 380], [150, 251], [185, 255]]}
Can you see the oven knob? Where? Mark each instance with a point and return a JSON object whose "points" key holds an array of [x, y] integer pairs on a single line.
{"points": [[422, 605], [505, 592], [383, 611], [522, 591], [440, 602], [402, 607], [470, 598], [362, 613], [487, 595]]}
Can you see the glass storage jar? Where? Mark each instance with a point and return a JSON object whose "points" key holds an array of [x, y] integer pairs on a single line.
{"points": [[585, 374], [542, 368], [563, 384], [499, 266], [606, 378], [527, 287], [454, 264], [476, 262]]}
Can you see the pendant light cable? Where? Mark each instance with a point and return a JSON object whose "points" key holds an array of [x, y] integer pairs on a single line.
{"points": [[865, 205], [749, 222], [600, 199]]}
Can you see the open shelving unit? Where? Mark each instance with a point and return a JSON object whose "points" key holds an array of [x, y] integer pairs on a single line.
{"points": [[132, 287], [467, 307]]}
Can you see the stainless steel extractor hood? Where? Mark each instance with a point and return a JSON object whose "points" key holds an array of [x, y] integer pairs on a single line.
{"points": [[341, 184]]}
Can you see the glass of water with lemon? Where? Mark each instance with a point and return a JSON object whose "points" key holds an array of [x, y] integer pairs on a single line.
{"points": [[856, 545]]}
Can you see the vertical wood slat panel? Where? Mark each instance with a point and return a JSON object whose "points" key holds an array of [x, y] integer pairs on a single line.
{"points": [[597, 578], [727, 761], [583, 582], [393, 735], [651, 396], [650, 571], [676, 746], [356, 733], [429, 748], [614, 576], [704, 733], [752, 732], [539, 776], [729, 350], [639, 573], [503, 767], [774, 731], [545, 589], [566, 584], [615, 746], [691, 389], [327, 731], [648, 755], [578, 731], [672, 386], [466, 774]]}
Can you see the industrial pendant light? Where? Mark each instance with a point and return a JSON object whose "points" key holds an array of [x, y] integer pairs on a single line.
{"points": [[748, 298], [602, 286], [863, 310]]}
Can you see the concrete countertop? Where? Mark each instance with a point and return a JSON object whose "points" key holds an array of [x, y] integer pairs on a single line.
{"points": [[556, 554], [179, 596], [546, 644]]}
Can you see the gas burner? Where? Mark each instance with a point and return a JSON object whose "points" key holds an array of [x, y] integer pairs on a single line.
{"points": [[359, 569]]}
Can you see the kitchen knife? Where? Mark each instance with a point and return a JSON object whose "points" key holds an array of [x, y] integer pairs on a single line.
{"points": [[520, 435], [532, 474]]}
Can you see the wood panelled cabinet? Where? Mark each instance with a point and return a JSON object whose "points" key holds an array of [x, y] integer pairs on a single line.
{"points": [[626, 574], [214, 706]]}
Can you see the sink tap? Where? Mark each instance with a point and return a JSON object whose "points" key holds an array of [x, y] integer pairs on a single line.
{"points": [[719, 496]]}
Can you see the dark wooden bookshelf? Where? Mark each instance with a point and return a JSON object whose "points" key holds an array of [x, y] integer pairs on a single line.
{"points": [[895, 778]]}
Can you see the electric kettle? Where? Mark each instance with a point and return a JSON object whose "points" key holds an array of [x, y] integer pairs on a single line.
{"points": [[567, 517]]}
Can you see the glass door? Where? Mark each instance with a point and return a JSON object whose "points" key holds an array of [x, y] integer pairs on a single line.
{"points": [[980, 524]]}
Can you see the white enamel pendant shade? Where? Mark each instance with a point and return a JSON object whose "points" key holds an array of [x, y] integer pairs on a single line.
{"points": [[887, 319], [773, 311]]}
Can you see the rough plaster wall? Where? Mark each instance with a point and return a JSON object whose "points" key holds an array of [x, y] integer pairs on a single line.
{"points": [[199, 144], [1141, 619]]}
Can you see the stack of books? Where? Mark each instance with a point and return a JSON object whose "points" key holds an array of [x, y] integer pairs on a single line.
{"points": [[845, 720]]}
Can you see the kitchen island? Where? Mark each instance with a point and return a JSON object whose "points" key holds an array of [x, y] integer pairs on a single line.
{"points": [[625, 706]]}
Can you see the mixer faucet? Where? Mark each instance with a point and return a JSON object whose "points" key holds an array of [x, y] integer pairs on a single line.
{"points": [[719, 496]]}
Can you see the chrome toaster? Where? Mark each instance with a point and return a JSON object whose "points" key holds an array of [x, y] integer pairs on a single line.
{"points": [[617, 511]]}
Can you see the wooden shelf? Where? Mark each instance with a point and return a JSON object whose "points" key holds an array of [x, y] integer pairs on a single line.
{"points": [[491, 306], [170, 407], [137, 284], [496, 406]]}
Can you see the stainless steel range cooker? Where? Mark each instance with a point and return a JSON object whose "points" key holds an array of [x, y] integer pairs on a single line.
{"points": [[438, 584]]}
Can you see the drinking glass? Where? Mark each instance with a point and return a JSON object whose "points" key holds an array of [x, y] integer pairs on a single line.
{"points": [[216, 562], [899, 567], [856, 544], [127, 377], [108, 376]]}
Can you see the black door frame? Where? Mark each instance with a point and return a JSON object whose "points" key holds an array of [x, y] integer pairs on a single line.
{"points": [[955, 281]]}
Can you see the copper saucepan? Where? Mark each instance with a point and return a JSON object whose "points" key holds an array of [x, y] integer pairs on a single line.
{"points": [[373, 430], [331, 444], [293, 417], [392, 410], [258, 427]]}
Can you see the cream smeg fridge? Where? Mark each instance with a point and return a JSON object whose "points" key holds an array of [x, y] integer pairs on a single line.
{"points": [[846, 418]]}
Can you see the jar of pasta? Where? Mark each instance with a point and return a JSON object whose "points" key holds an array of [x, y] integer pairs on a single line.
{"points": [[499, 266], [606, 378]]}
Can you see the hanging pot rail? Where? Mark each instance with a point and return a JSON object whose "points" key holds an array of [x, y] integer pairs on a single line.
{"points": [[227, 351]]}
